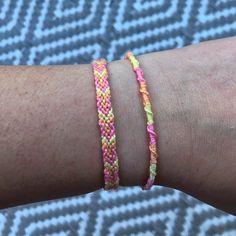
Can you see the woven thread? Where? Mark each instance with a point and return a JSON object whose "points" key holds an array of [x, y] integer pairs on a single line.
{"points": [[150, 119], [106, 124]]}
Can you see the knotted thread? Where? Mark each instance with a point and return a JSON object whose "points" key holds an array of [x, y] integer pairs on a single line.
{"points": [[150, 120]]}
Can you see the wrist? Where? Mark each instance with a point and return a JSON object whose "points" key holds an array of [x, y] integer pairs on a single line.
{"points": [[132, 144], [130, 121]]}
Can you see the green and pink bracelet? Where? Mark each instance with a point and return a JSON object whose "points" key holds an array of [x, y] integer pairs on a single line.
{"points": [[150, 119]]}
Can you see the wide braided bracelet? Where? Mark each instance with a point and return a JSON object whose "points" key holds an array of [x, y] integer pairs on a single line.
{"points": [[150, 120], [106, 124]]}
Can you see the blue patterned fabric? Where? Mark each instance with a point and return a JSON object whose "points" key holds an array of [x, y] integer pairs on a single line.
{"points": [[71, 31]]}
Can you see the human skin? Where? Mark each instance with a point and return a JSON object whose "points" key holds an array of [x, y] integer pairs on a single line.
{"points": [[50, 141]]}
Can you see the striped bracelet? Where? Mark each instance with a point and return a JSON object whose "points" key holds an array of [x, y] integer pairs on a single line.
{"points": [[150, 119], [106, 124]]}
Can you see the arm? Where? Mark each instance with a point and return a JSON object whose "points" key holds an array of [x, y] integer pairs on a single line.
{"points": [[50, 143]]}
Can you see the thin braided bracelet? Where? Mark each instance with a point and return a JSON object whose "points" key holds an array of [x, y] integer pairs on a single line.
{"points": [[150, 119], [106, 124]]}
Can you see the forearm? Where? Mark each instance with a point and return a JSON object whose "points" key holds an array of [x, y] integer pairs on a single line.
{"points": [[50, 143]]}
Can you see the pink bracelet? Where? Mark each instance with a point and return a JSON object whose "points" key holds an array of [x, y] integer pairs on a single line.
{"points": [[106, 124], [150, 119]]}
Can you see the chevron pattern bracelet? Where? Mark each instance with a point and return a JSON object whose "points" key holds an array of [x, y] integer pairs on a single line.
{"points": [[106, 124]]}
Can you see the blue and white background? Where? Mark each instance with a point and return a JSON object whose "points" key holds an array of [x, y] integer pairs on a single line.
{"points": [[45, 32]]}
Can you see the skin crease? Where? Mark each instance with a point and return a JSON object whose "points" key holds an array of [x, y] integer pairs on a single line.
{"points": [[50, 141]]}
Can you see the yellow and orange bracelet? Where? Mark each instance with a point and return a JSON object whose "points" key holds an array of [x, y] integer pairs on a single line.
{"points": [[150, 119]]}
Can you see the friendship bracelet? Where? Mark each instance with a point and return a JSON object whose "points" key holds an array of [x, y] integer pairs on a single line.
{"points": [[106, 124], [150, 120]]}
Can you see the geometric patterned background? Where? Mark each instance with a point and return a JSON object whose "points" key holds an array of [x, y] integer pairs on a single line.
{"points": [[41, 32]]}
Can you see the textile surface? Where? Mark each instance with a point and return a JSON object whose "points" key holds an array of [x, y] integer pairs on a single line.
{"points": [[78, 31]]}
